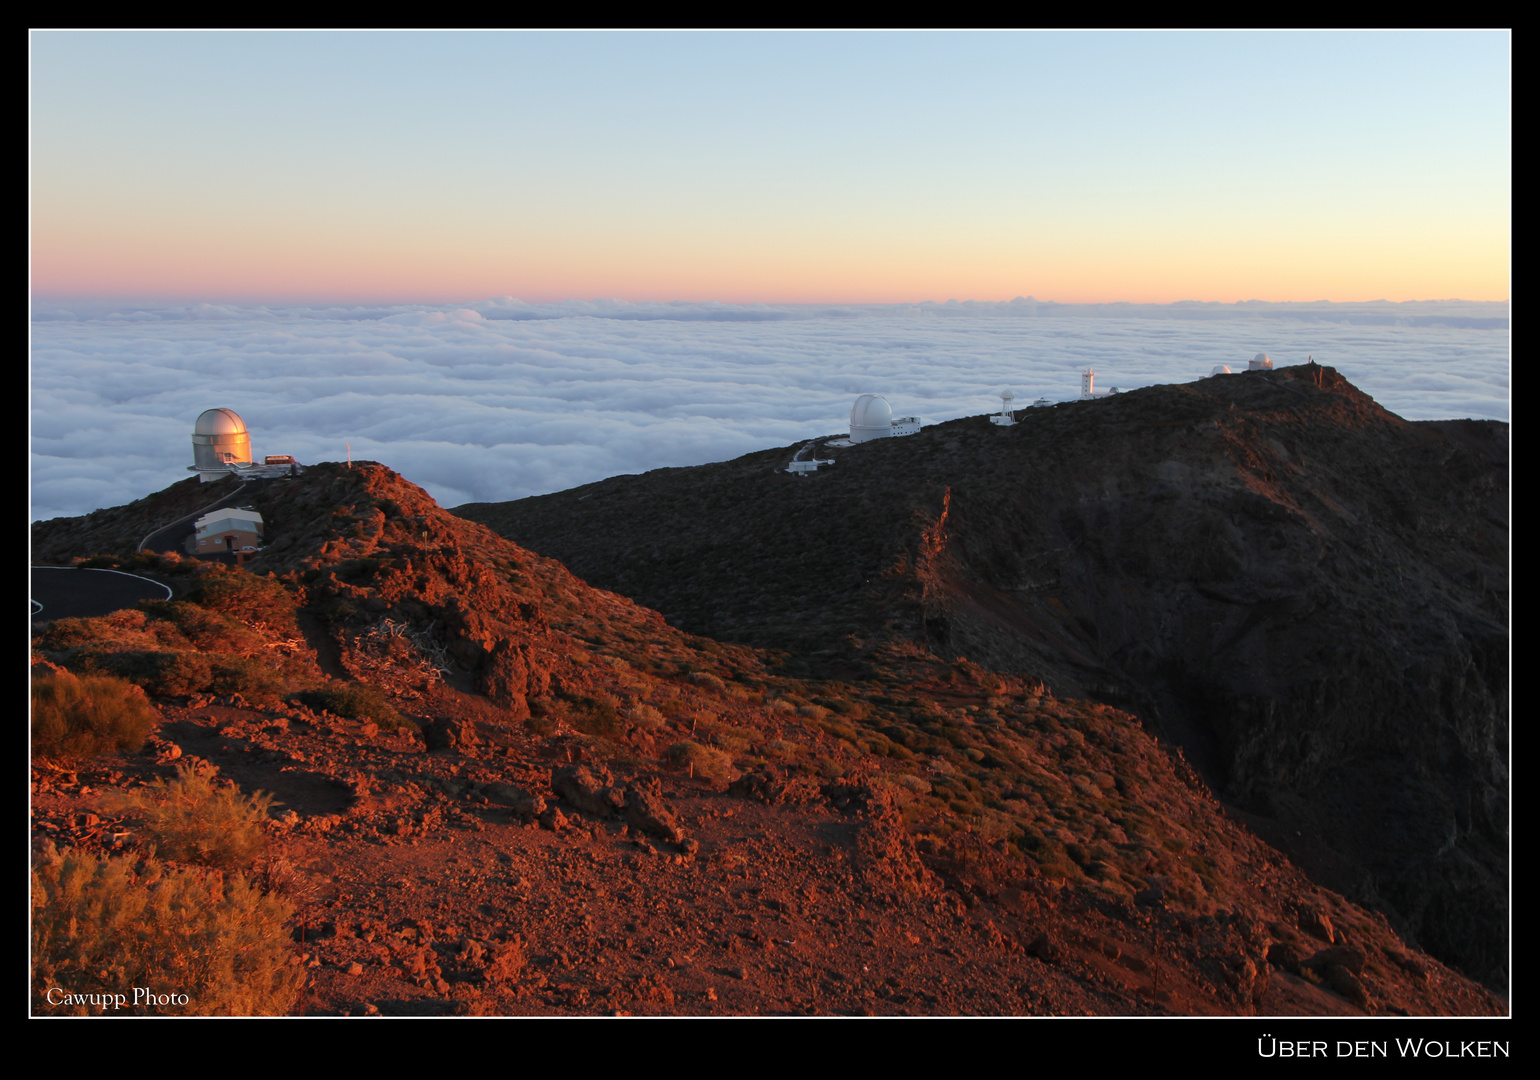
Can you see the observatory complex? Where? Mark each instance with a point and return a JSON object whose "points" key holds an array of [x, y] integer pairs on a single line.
{"points": [[222, 447], [1260, 362], [871, 417]]}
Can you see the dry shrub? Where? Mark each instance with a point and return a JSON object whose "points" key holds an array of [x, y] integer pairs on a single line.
{"points": [[165, 674], [75, 718], [275, 873], [183, 625], [706, 679], [190, 819], [735, 740], [254, 678], [246, 597], [704, 761], [595, 714], [356, 701], [784, 749], [126, 627], [211, 943], [645, 716]]}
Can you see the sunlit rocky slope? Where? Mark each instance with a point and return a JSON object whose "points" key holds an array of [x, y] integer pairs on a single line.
{"points": [[507, 791], [1305, 592]]}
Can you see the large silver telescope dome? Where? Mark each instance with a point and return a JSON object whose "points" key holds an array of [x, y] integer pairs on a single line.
{"points": [[219, 439]]}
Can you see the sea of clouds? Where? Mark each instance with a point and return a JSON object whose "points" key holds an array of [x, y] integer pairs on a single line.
{"points": [[503, 399]]}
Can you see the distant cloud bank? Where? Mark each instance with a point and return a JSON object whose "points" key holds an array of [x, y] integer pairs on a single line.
{"points": [[1482, 315], [502, 399]]}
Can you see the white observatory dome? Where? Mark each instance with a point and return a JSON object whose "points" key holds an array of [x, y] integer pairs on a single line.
{"points": [[1261, 360], [871, 417], [1222, 369], [219, 440]]}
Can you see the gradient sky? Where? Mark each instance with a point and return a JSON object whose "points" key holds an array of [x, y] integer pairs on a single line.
{"points": [[770, 167]]}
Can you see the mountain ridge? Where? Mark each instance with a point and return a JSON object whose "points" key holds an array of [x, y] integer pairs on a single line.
{"points": [[1255, 563], [911, 834]]}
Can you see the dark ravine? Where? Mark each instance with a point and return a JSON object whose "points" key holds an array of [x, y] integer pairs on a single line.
{"points": [[1304, 591]]}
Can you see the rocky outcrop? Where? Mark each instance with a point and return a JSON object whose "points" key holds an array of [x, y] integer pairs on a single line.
{"points": [[1301, 589]]}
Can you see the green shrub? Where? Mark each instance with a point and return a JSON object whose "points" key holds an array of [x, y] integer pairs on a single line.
{"points": [[356, 701], [75, 718], [190, 819], [202, 943]]}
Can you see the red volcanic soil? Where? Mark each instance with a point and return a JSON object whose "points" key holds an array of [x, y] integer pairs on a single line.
{"points": [[572, 808]]}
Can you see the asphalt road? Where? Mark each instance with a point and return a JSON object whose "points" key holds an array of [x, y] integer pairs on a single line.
{"points": [[63, 592]]}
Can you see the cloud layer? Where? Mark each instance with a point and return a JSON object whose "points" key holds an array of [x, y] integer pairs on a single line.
{"points": [[501, 399]]}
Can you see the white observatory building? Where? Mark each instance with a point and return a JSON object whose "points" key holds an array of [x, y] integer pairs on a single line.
{"points": [[871, 417], [227, 531], [1006, 417], [1088, 391], [1260, 362], [220, 440]]}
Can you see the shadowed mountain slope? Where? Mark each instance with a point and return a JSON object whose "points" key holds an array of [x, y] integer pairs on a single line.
{"points": [[1306, 592], [521, 794]]}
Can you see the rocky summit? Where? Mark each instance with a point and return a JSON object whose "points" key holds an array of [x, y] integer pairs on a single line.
{"points": [[1186, 702]]}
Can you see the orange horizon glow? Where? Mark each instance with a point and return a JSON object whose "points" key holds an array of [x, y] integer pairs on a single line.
{"points": [[173, 271], [271, 262]]}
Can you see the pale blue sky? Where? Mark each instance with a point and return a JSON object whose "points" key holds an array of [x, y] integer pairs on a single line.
{"points": [[924, 165]]}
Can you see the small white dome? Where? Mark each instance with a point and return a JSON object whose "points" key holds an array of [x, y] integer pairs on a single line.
{"points": [[1222, 369], [1261, 360], [219, 422], [871, 417]]}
